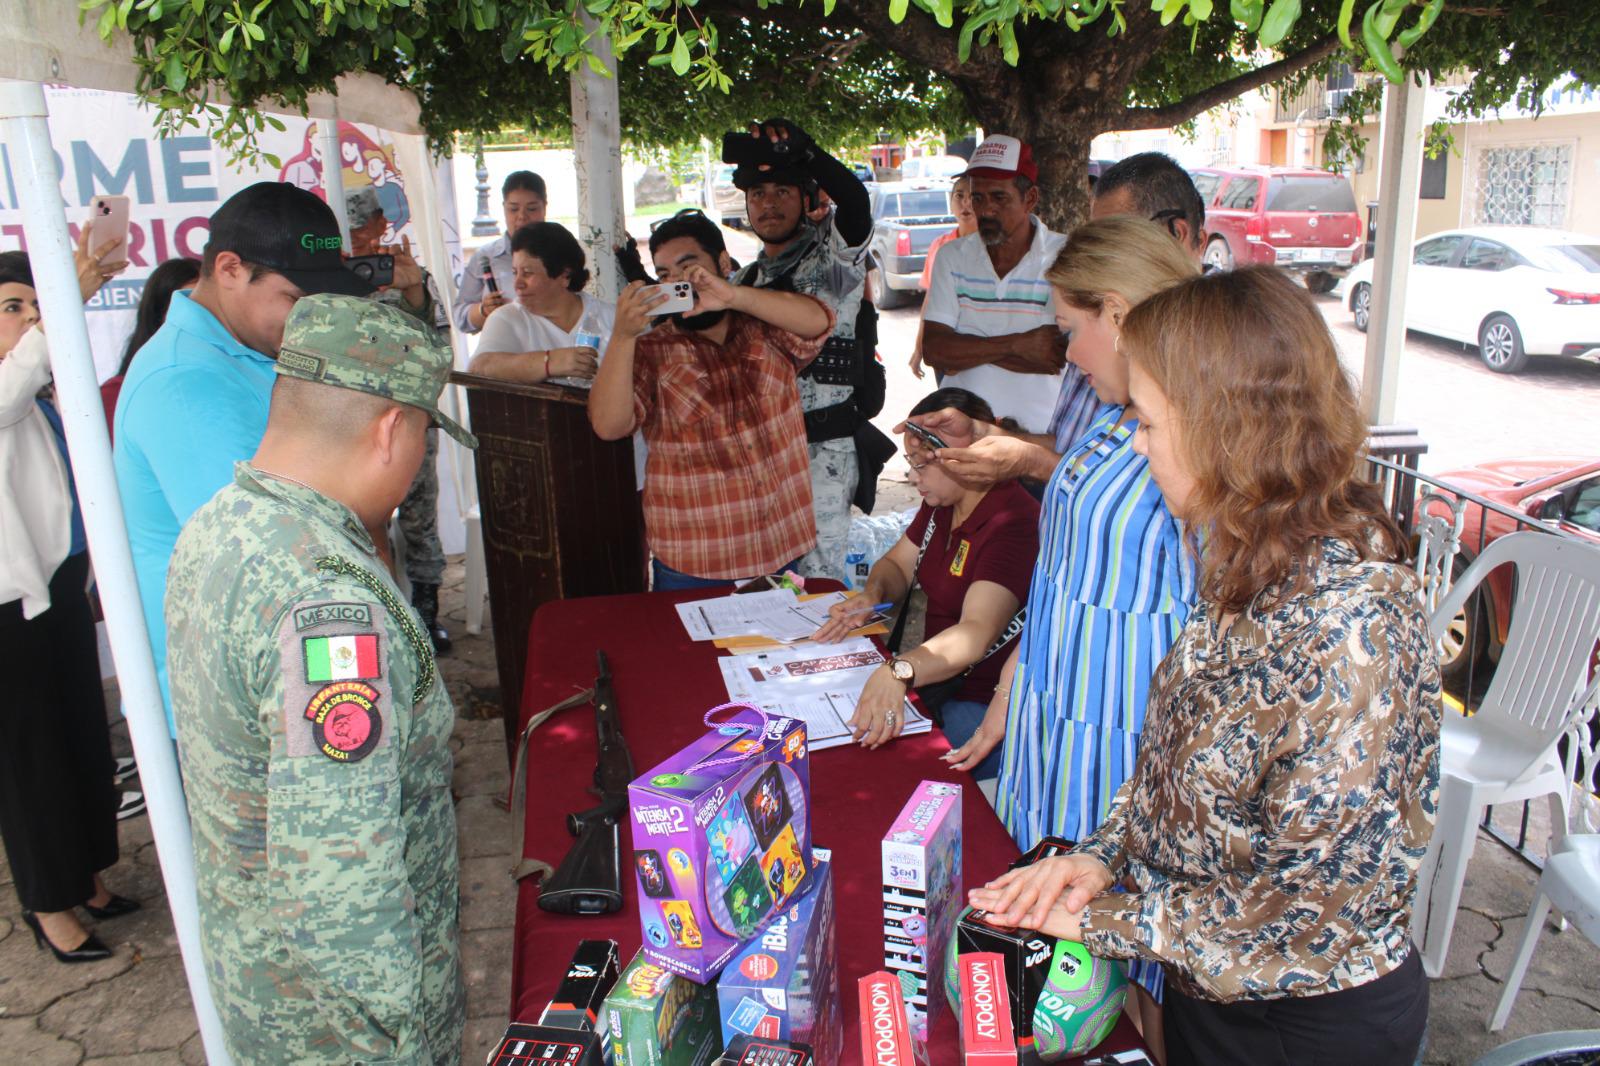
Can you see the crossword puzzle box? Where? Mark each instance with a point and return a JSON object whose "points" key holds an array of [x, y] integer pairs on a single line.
{"points": [[721, 842], [921, 895], [785, 984]]}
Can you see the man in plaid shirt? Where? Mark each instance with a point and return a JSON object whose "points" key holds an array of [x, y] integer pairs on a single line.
{"points": [[727, 490]]}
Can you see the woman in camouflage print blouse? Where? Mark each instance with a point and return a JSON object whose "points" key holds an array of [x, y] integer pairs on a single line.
{"points": [[1267, 845]]}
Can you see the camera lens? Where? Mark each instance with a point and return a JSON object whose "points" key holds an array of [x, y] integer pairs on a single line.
{"points": [[362, 271]]}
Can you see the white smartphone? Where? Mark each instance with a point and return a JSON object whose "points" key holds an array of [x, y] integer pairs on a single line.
{"points": [[108, 221], [680, 297]]}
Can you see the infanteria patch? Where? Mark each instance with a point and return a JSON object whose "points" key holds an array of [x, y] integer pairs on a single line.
{"points": [[345, 723]]}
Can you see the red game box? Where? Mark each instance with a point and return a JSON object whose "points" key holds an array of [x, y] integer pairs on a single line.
{"points": [[987, 1038], [885, 1035]]}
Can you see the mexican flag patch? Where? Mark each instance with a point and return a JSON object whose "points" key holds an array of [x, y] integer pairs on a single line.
{"points": [[350, 658]]}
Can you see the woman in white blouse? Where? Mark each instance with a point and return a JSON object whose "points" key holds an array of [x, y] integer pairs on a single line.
{"points": [[58, 805], [553, 330]]}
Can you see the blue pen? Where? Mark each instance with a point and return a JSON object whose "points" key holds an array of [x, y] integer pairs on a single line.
{"points": [[881, 607]]}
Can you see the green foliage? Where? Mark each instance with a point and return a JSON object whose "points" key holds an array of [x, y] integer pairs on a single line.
{"points": [[845, 69]]}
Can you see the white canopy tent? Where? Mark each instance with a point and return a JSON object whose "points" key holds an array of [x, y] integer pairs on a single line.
{"points": [[46, 45]]}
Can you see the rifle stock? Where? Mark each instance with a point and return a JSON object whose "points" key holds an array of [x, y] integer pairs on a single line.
{"points": [[589, 879]]}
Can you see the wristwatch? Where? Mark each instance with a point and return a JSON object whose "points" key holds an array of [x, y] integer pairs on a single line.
{"points": [[902, 671]]}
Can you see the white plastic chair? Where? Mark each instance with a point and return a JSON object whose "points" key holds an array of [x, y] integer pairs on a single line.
{"points": [[1570, 883], [1506, 752], [1438, 544]]}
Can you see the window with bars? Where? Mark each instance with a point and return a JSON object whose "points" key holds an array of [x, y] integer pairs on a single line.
{"points": [[1522, 185]]}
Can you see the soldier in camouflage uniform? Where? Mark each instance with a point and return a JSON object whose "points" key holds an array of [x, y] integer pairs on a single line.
{"points": [[822, 256], [312, 726], [415, 293]]}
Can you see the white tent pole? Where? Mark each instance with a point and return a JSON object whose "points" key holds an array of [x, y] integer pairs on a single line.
{"points": [[26, 133], [1399, 176], [333, 175], [597, 148]]}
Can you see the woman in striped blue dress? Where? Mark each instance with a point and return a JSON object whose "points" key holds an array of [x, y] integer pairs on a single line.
{"points": [[1113, 584]]}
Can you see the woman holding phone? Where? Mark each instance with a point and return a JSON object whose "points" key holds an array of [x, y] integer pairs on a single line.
{"points": [[1270, 835], [972, 552], [58, 805]]}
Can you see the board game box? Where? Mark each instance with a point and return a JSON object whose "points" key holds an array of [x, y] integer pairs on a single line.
{"points": [[721, 841], [885, 1036], [987, 1038], [546, 1045], [656, 1018], [921, 895], [785, 983]]}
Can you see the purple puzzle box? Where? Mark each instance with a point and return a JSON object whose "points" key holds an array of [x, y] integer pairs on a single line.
{"points": [[721, 841]]}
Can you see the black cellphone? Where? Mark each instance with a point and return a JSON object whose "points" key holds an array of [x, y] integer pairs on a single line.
{"points": [[932, 439], [375, 270], [487, 274]]}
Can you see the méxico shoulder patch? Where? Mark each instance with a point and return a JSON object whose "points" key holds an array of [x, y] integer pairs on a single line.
{"points": [[333, 657]]}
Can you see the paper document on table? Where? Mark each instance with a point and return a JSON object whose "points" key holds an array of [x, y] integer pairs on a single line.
{"points": [[817, 683], [776, 615], [826, 715], [813, 608]]}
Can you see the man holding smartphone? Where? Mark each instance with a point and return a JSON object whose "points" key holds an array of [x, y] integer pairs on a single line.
{"points": [[195, 399], [727, 488], [789, 183], [487, 276]]}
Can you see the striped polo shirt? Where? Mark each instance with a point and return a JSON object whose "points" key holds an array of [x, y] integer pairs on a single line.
{"points": [[966, 295]]}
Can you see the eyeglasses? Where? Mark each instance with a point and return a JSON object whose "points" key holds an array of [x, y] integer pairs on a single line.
{"points": [[1169, 218]]}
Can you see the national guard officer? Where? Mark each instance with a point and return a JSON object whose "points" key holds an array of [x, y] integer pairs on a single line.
{"points": [[809, 249], [313, 729]]}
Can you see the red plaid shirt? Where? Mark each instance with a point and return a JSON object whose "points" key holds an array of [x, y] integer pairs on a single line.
{"points": [[727, 490]]}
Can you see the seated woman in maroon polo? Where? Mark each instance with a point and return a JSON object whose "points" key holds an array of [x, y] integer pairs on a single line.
{"points": [[972, 551]]}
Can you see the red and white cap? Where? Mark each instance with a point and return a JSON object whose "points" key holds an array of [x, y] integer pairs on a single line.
{"points": [[1002, 157]]}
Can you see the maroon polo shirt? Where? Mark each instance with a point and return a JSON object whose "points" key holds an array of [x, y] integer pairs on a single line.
{"points": [[998, 542]]}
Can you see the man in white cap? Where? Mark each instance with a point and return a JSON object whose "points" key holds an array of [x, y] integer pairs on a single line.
{"points": [[990, 322]]}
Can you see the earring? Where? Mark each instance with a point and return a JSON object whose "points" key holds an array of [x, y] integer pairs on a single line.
{"points": [[1116, 343]]}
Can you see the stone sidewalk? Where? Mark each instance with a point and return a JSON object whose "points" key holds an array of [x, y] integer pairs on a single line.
{"points": [[134, 1010]]}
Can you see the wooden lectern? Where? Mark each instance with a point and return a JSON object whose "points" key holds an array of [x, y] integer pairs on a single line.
{"points": [[560, 513]]}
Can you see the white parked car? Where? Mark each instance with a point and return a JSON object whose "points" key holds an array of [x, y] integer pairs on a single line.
{"points": [[1514, 291], [947, 167]]}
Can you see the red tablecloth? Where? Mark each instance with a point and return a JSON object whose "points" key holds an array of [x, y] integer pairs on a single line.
{"points": [[664, 683]]}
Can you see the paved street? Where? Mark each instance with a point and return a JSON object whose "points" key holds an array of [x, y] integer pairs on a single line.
{"points": [[1465, 412]]}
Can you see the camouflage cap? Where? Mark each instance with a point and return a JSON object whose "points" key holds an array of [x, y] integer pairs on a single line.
{"points": [[356, 343]]}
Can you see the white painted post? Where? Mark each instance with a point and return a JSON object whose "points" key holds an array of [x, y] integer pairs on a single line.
{"points": [[597, 148], [25, 130], [1399, 175], [333, 175]]}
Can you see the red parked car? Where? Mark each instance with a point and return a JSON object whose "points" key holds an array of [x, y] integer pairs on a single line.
{"points": [[1563, 491], [1303, 221]]}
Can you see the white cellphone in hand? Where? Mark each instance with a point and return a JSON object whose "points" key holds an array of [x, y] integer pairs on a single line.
{"points": [[108, 221], [680, 297]]}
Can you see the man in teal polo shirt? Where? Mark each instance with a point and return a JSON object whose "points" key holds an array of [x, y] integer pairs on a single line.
{"points": [[195, 399]]}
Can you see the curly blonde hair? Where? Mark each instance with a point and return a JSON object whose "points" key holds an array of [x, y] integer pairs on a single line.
{"points": [[1268, 427], [1123, 254]]}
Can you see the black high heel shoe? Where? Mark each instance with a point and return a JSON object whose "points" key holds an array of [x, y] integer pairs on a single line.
{"points": [[91, 950], [115, 908]]}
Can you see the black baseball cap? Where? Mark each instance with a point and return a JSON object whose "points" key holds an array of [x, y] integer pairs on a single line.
{"points": [[287, 230]]}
